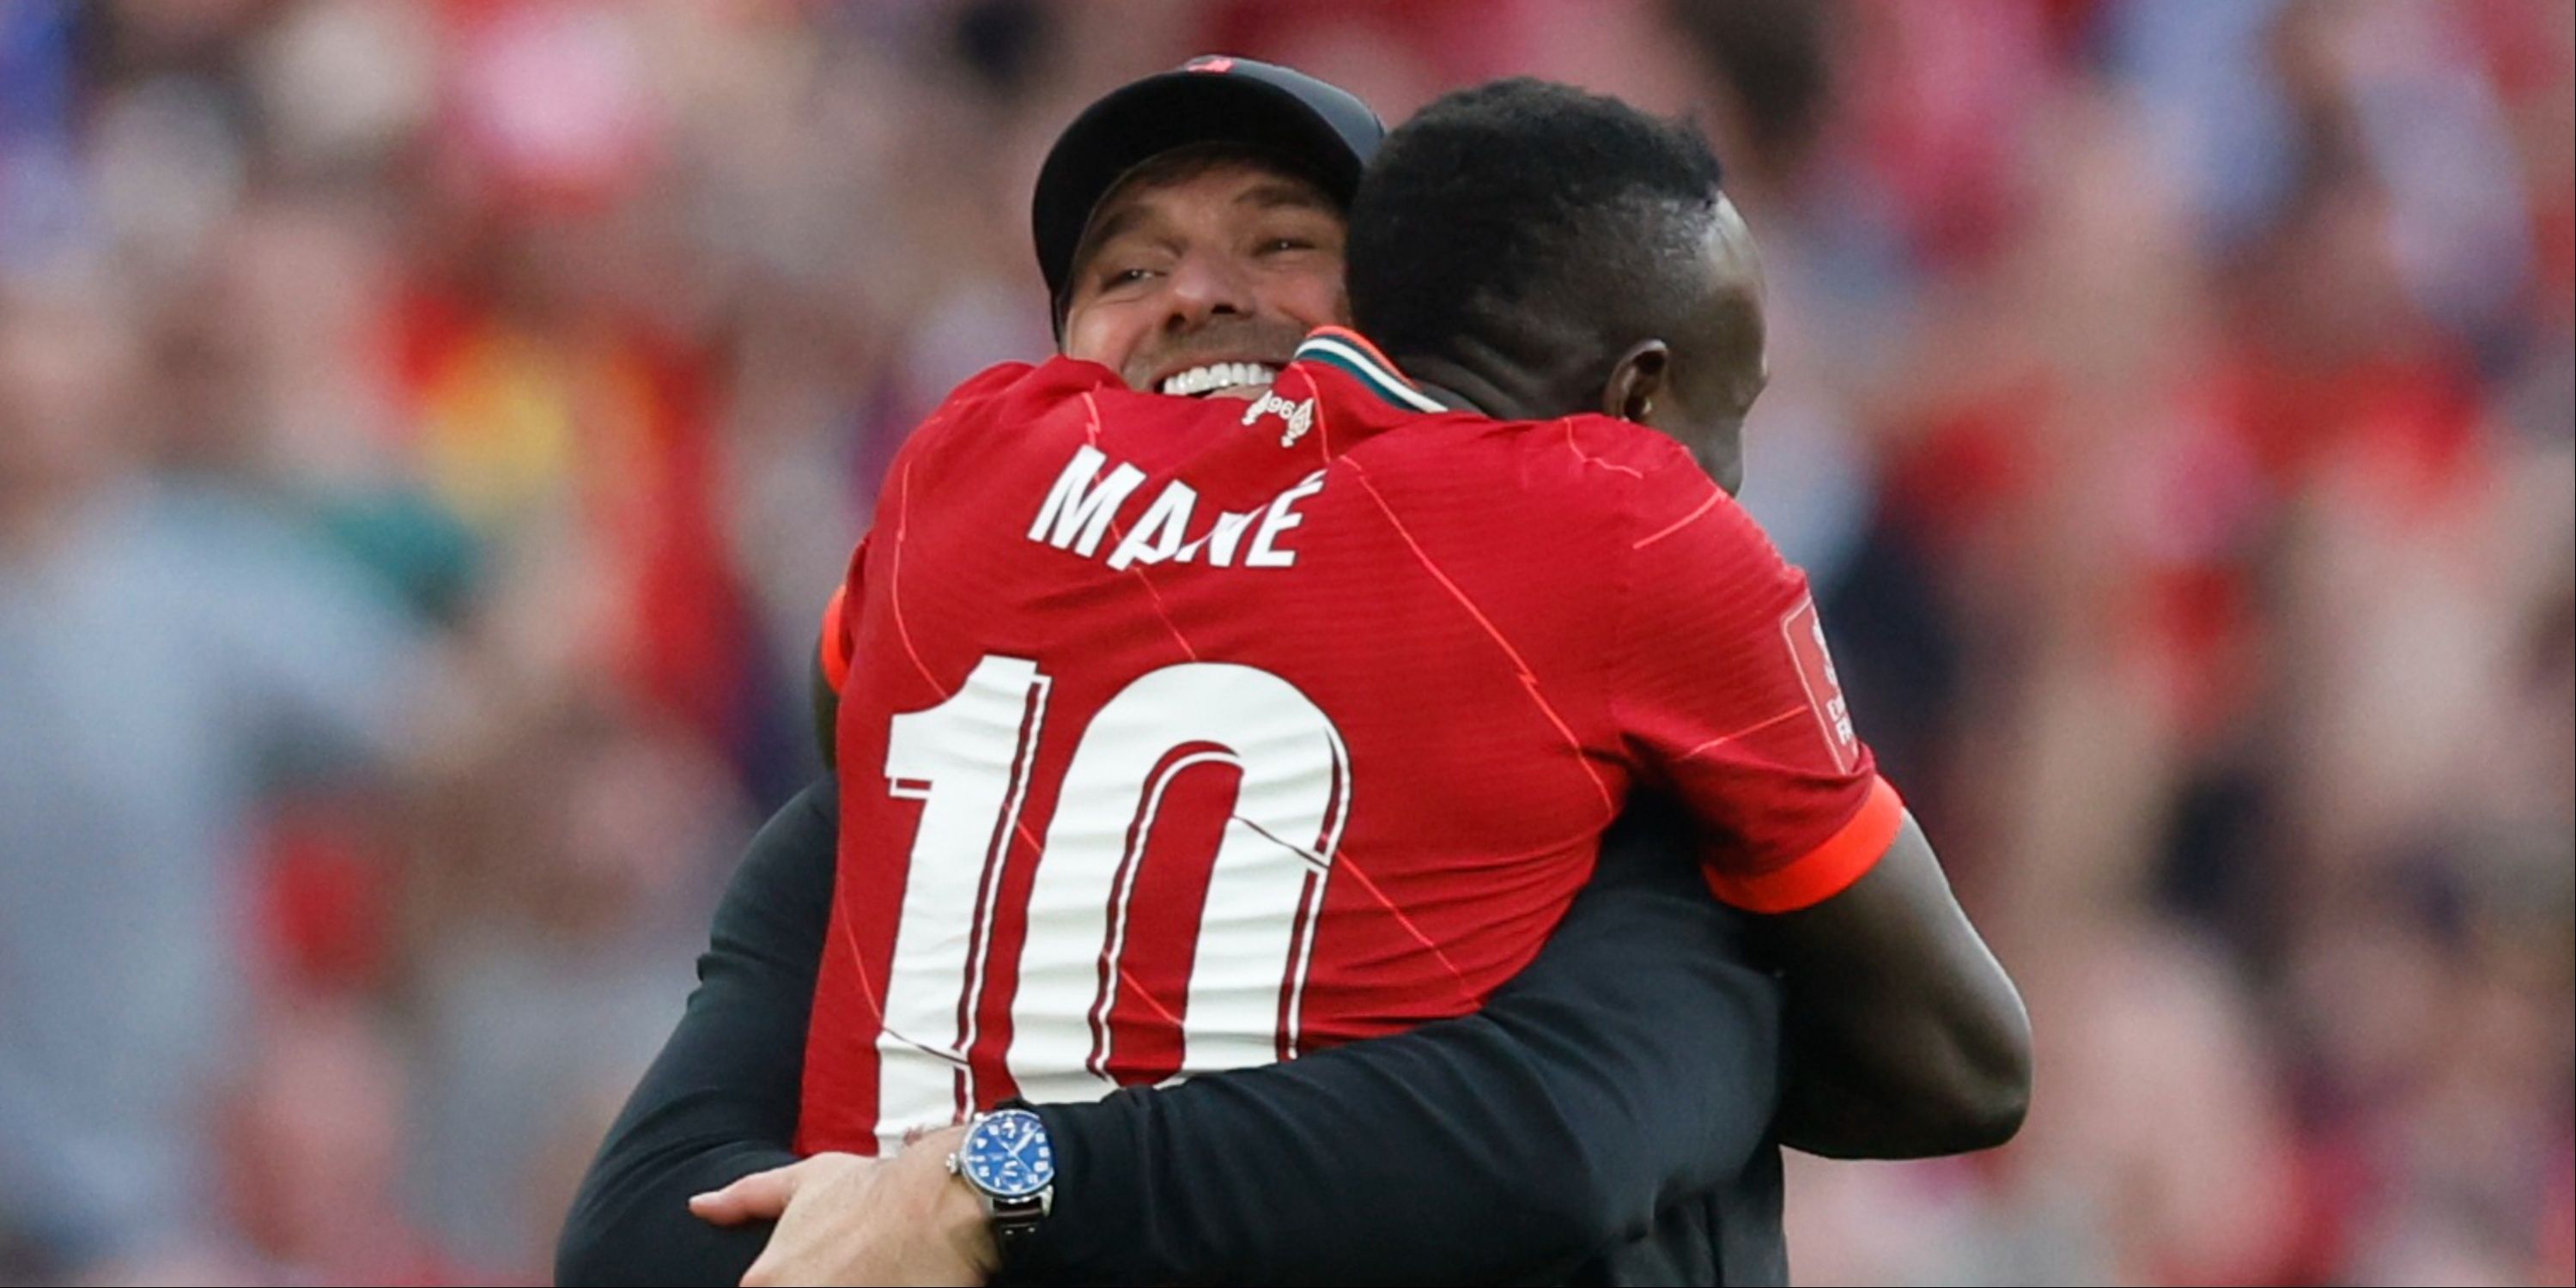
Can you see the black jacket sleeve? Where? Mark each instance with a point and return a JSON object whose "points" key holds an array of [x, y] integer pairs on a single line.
{"points": [[1635, 1062], [719, 1103]]}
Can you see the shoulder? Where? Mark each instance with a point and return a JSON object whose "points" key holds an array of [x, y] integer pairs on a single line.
{"points": [[1623, 446], [1652, 489], [1012, 387], [1006, 398], [1588, 462]]}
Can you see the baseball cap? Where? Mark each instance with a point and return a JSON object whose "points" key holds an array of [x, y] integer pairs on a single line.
{"points": [[1322, 129]]}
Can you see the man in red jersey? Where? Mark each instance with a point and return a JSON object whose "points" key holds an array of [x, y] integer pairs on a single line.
{"points": [[1268, 687], [1539, 1159], [1389, 1159]]}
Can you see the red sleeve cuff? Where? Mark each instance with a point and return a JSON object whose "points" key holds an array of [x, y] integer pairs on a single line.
{"points": [[836, 642], [1825, 871]]}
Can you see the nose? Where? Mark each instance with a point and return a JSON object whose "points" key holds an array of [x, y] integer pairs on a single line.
{"points": [[1204, 286]]}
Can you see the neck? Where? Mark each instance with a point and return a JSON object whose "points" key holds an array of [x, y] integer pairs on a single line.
{"points": [[1483, 379]]}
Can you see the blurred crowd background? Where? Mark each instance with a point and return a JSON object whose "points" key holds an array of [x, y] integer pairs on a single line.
{"points": [[429, 431]]}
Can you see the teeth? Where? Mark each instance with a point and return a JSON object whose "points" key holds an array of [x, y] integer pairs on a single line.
{"points": [[1218, 375]]}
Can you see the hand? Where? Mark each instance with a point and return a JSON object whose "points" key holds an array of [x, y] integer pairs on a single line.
{"points": [[763, 1196], [844, 1219]]}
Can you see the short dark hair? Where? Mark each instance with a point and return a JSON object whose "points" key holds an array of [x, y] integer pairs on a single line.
{"points": [[1526, 216]]}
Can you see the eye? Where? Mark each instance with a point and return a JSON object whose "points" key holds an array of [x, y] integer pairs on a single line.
{"points": [[1278, 244]]}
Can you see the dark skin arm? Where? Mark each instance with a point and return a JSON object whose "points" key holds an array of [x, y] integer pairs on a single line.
{"points": [[1906, 1038]]}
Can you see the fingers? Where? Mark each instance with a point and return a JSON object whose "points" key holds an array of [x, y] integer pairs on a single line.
{"points": [[764, 1196], [760, 1196]]}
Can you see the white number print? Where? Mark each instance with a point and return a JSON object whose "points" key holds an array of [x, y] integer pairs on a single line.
{"points": [[968, 759]]}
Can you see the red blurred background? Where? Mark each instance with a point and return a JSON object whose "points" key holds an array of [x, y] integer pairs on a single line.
{"points": [[428, 434]]}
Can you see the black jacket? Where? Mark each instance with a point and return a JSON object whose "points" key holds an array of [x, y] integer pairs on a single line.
{"points": [[1605, 1118]]}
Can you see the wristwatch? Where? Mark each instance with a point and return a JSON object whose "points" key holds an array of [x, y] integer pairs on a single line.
{"points": [[1009, 1163]]}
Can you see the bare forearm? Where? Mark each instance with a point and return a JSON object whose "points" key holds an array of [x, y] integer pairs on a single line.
{"points": [[1907, 1038], [1840, 1101]]}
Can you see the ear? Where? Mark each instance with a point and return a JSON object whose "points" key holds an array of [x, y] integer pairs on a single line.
{"points": [[1635, 379]]}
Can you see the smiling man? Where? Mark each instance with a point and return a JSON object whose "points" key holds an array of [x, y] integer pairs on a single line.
{"points": [[1256, 251], [1190, 229]]}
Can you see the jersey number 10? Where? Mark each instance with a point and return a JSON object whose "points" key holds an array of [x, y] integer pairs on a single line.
{"points": [[969, 761]]}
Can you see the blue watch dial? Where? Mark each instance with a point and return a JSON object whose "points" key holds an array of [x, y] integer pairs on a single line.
{"points": [[1007, 1154]]}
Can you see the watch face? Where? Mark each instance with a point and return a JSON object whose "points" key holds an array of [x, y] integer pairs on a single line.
{"points": [[1007, 1155]]}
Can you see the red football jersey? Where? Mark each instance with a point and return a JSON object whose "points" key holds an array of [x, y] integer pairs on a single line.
{"points": [[1181, 735]]}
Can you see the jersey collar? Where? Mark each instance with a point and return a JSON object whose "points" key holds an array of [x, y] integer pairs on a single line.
{"points": [[1353, 355]]}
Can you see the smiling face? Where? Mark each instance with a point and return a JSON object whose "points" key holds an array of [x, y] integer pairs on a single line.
{"points": [[1202, 271]]}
